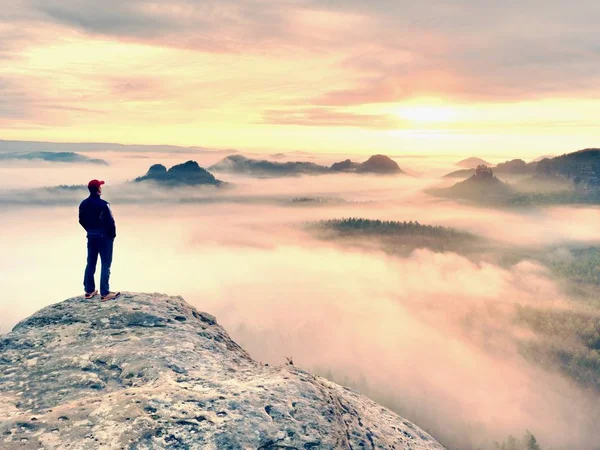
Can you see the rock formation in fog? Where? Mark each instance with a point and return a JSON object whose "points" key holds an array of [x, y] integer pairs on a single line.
{"points": [[186, 174], [379, 164], [344, 166], [263, 168], [513, 167], [483, 186], [149, 371], [376, 164]]}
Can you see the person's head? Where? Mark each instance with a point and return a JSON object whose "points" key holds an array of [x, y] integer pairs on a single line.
{"points": [[95, 187]]}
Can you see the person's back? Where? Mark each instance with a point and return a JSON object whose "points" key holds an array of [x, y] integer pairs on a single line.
{"points": [[96, 218]]}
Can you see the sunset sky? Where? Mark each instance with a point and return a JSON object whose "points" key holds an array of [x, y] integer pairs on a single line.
{"points": [[456, 76]]}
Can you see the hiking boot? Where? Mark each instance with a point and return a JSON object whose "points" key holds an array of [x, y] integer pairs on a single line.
{"points": [[110, 296], [89, 295]]}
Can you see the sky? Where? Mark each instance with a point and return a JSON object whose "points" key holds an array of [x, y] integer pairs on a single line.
{"points": [[460, 76]]}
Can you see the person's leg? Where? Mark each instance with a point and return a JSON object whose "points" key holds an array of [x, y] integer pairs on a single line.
{"points": [[106, 254], [90, 269]]}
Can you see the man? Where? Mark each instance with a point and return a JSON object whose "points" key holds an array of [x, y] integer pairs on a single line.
{"points": [[96, 218]]}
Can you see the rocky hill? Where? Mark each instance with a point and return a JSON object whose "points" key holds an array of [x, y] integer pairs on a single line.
{"points": [[482, 187], [376, 164], [149, 371], [379, 164], [582, 167], [186, 174], [513, 167], [265, 168]]}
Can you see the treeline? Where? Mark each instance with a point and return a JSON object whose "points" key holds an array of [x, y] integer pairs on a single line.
{"points": [[391, 227], [582, 267], [529, 442], [566, 340]]}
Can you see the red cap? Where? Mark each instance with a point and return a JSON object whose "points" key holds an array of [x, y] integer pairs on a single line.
{"points": [[95, 184]]}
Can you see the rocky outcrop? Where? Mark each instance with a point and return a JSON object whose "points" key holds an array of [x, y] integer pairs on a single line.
{"points": [[376, 164], [264, 168], [150, 371], [516, 167], [344, 166], [380, 164], [186, 174], [482, 187]]}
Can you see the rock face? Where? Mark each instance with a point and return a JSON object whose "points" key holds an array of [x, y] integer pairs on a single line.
{"points": [[186, 174], [149, 372]]}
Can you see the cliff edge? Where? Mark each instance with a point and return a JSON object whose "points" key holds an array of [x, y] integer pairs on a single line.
{"points": [[149, 371]]}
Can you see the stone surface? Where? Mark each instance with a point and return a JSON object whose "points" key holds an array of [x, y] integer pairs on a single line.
{"points": [[149, 371]]}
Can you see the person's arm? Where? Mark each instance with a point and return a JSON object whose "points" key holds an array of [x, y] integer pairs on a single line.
{"points": [[109, 221], [82, 217]]}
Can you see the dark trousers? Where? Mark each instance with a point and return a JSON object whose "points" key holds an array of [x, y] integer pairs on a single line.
{"points": [[103, 247]]}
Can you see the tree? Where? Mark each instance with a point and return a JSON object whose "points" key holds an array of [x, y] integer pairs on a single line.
{"points": [[531, 442]]}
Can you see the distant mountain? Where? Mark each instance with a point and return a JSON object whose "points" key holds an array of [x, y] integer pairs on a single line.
{"points": [[581, 167], [377, 164], [344, 166], [483, 186], [61, 157], [539, 158], [513, 167], [264, 168], [186, 174], [462, 173], [472, 163], [573, 178]]}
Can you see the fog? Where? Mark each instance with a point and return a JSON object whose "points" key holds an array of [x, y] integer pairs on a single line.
{"points": [[431, 335]]}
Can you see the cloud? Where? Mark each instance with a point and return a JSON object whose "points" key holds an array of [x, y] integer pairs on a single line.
{"points": [[431, 334], [203, 68], [16, 100], [463, 50], [326, 117], [210, 26]]}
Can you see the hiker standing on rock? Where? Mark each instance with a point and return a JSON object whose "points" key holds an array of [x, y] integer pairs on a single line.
{"points": [[96, 218]]}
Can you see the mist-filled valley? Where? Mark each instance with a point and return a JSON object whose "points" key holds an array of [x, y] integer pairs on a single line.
{"points": [[476, 320]]}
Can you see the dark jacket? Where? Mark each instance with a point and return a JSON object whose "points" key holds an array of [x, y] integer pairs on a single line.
{"points": [[96, 217]]}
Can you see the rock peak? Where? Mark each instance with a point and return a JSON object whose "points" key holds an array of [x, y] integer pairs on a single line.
{"points": [[151, 371]]}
